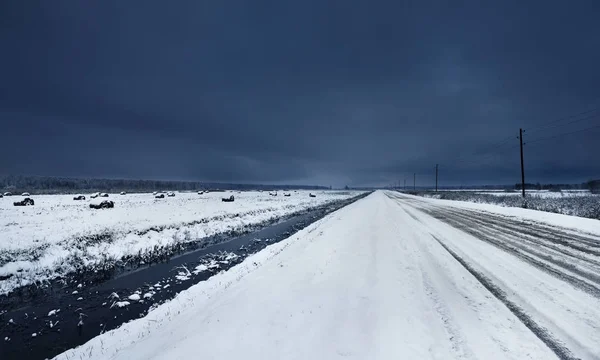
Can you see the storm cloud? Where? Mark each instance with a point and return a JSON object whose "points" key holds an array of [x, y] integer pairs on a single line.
{"points": [[306, 92]]}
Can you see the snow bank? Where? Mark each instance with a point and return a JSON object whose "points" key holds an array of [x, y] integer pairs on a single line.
{"points": [[580, 203], [357, 284], [591, 226], [41, 242]]}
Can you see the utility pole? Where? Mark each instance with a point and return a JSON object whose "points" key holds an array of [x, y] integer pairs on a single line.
{"points": [[436, 172], [415, 181], [404, 183], [522, 165]]}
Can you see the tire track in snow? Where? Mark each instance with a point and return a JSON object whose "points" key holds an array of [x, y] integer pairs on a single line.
{"points": [[552, 236], [458, 345], [492, 238], [455, 337], [541, 332], [562, 269], [536, 247], [584, 242]]}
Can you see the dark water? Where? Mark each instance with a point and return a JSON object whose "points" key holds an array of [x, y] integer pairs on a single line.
{"points": [[93, 309]]}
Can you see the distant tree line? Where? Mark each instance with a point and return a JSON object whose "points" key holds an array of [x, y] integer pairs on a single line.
{"points": [[53, 185], [592, 185]]}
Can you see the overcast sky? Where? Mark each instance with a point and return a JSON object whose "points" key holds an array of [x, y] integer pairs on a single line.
{"points": [[302, 92]]}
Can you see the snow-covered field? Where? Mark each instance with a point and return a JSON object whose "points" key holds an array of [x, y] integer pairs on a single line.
{"points": [[544, 194], [45, 240], [577, 203], [391, 276]]}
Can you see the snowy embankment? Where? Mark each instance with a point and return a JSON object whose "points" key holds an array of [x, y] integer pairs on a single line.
{"points": [[545, 194], [59, 235], [378, 279], [576, 203]]}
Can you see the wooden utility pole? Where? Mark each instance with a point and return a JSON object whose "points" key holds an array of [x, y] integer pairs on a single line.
{"points": [[436, 177], [522, 164]]}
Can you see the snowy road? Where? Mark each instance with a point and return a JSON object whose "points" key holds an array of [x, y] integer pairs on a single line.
{"points": [[390, 276]]}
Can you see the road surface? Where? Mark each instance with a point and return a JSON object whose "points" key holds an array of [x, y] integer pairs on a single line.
{"points": [[390, 276]]}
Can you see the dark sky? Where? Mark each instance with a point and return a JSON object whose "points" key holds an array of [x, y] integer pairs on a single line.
{"points": [[307, 92]]}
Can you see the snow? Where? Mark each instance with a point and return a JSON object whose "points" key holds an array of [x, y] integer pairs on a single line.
{"points": [[579, 223], [200, 268], [182, 276], [374, 280], [545, 194], [120, 304], [134, 297], [38, 242], [53, 312]]}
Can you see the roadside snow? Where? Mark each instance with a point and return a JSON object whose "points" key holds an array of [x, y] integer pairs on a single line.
{"points": [[365, 282], [41, 241], [546, 194], [566, 312], [591, 226]]}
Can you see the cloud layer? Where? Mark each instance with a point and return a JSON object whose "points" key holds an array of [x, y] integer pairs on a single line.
{"points": [[327, 92]]}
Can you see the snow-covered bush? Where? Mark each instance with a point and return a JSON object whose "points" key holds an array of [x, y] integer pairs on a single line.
{"points": [[582, 206]]}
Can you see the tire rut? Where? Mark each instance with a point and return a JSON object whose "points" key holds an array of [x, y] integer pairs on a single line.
{"points": [[517, 237], [561, 351], [554, 235], [510, 242], [573, 280]]}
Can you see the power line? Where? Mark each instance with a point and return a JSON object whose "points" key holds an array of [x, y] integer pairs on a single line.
{"points": [[522, 164], [491, 150], [570, 122], [477, 161], [480, 159], [569, 117], [563, 134], [486, 150]]}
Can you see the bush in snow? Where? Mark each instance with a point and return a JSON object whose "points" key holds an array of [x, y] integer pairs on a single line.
{"points": [[24, 202], [105, 204]]}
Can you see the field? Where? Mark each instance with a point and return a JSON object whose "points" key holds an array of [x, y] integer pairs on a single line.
{"points": [[59, 235]]}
